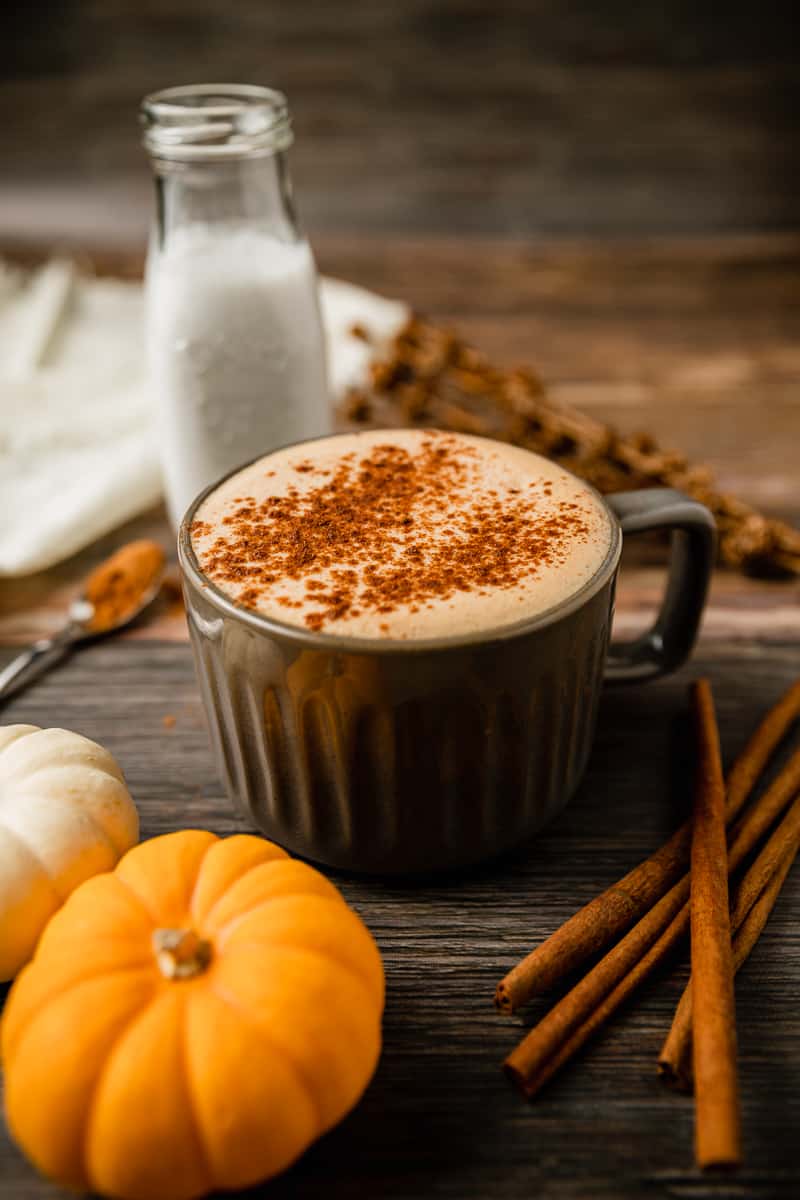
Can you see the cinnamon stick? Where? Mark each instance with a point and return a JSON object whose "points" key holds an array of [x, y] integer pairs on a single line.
{"points": [[552, 1041], [595, 925], [753, 824], [752, 903], [531, 1077], [527, 1064], [675, 1061], [603, 919], [747, 768], [717, 1115], [587, 1006]]}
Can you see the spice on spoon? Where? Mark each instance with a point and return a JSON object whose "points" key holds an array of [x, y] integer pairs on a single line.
{"points": [[116, 592], [117, 588]]}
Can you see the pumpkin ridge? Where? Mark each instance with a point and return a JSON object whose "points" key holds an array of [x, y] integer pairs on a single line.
{"points": [[133, 964], [114, 880], [91, 1105], [116, 850], [155, 917], [230, 925], [98, 829], [76, 801], [27, 849], [191, 1102], [16, 836], [124, 1026], [223, 934], [235, 882], [295, 948], [24, 731], [57, 992], [253, 1021], [140, 900], [99, 755]]}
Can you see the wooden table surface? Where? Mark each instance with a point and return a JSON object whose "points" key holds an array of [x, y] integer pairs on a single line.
{"points": [[699, 341]]}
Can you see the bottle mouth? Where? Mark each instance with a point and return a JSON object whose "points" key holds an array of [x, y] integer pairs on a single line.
{"points": [[215, 120]]}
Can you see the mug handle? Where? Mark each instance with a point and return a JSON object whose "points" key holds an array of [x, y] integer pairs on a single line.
{"points": [[669, 641]]}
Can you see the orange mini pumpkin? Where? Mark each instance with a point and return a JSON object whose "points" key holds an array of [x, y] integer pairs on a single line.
{"points": [[192, 1020]]}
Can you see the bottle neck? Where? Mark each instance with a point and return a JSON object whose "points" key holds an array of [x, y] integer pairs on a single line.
{"points": [[248, 192], [219, 158]]}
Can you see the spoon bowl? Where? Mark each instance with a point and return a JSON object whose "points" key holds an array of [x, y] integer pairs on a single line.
{"points": [[95, 613]]}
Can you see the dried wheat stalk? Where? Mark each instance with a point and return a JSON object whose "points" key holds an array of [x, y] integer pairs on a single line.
{"points": [[428, 376]]}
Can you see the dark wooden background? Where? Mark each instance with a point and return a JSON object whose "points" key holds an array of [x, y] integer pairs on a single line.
{"points": [[458, 116], [607, 191]]}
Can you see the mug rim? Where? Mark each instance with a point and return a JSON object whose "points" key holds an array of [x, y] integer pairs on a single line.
{"points": [[344, 644]]}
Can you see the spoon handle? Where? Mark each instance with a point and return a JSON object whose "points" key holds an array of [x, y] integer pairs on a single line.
{"points": [[33, 661]]}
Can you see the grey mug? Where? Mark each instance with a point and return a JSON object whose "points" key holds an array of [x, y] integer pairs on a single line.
{"points": [[391, 756]]}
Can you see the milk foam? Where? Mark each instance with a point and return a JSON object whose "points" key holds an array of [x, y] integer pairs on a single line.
{"points": [[507, 473]]}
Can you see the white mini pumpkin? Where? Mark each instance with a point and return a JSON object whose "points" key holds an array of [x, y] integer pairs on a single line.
{"points": [[65, 814]]}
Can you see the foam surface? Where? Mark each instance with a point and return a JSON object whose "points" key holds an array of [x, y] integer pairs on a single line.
{"points": [[402, 534]]}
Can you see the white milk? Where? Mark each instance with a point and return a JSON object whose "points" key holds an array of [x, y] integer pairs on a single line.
{"points": [[235, 351]]}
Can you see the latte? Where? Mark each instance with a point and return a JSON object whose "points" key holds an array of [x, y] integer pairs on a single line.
{"points": [[401, 534]]}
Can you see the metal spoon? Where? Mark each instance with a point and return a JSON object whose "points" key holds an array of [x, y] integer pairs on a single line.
{"points": [[80, 627]]}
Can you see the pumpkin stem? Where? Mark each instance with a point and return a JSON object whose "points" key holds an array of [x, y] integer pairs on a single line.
{"points": [[180, 953]]}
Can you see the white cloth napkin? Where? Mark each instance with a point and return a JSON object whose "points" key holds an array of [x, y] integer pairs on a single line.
{"points": [[77, 451]]}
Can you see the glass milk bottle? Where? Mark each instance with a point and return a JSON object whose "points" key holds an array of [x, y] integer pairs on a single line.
{"points": [[235, 344]]}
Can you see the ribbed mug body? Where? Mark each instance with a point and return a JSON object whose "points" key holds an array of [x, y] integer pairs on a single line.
{"points": [[403, 758]]}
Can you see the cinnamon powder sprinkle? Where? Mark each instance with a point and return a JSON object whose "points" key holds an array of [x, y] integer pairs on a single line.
{"points": [[388, 529]]}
